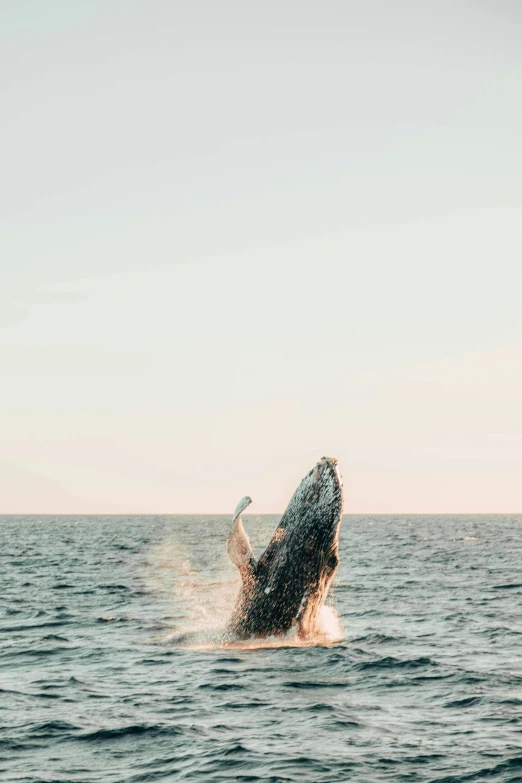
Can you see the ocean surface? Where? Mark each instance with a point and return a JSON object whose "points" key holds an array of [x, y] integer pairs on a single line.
{"points": [[112, 664]]}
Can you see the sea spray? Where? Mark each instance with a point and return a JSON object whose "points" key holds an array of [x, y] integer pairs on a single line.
{"points": [[199, 603]]}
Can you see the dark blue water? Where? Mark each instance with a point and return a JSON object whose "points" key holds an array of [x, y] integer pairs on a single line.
{"points": [[111, 669]]}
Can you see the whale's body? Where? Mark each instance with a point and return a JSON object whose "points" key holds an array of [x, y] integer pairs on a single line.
{"points": [[287, 587]]}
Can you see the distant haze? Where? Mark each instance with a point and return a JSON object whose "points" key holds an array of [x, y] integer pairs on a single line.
{"points": [[237, 236]]}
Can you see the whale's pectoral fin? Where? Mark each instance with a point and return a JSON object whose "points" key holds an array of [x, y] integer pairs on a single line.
{"points": [[238, 544]]}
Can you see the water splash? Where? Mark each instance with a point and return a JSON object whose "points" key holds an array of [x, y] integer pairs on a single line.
{"points": [[199, 604], [196, 602]]}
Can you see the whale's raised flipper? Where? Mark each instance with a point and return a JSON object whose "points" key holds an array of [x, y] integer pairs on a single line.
{"points": [[238, 544]]}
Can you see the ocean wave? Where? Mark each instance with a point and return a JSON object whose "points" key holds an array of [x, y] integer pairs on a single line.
{"points": [[124, 673]]}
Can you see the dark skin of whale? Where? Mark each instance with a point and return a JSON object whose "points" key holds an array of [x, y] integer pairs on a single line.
{"points": [[287, 587]]}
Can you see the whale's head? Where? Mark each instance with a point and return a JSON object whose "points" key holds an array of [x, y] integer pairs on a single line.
{"points": [[312, 523], [295, 572], [317, 504]]}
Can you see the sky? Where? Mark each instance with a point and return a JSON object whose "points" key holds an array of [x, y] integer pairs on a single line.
{"points": [[237, 236]]}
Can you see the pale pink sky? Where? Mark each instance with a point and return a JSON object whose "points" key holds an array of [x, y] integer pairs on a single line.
{"points": [[235, 239]]}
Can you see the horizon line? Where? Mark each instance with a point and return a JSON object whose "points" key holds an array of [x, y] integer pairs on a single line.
{"points": [[265, 513]]}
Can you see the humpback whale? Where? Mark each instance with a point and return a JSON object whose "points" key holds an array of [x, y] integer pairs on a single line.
{"points": [[287, 587]]}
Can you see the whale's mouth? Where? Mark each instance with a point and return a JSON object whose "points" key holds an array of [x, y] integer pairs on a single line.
{"points": [[330, 464]]}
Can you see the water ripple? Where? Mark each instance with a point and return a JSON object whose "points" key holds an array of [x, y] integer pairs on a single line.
{"points": [[113, 669]]}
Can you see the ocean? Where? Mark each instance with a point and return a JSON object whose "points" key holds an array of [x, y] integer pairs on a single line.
{"points": [[113, 667]]}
